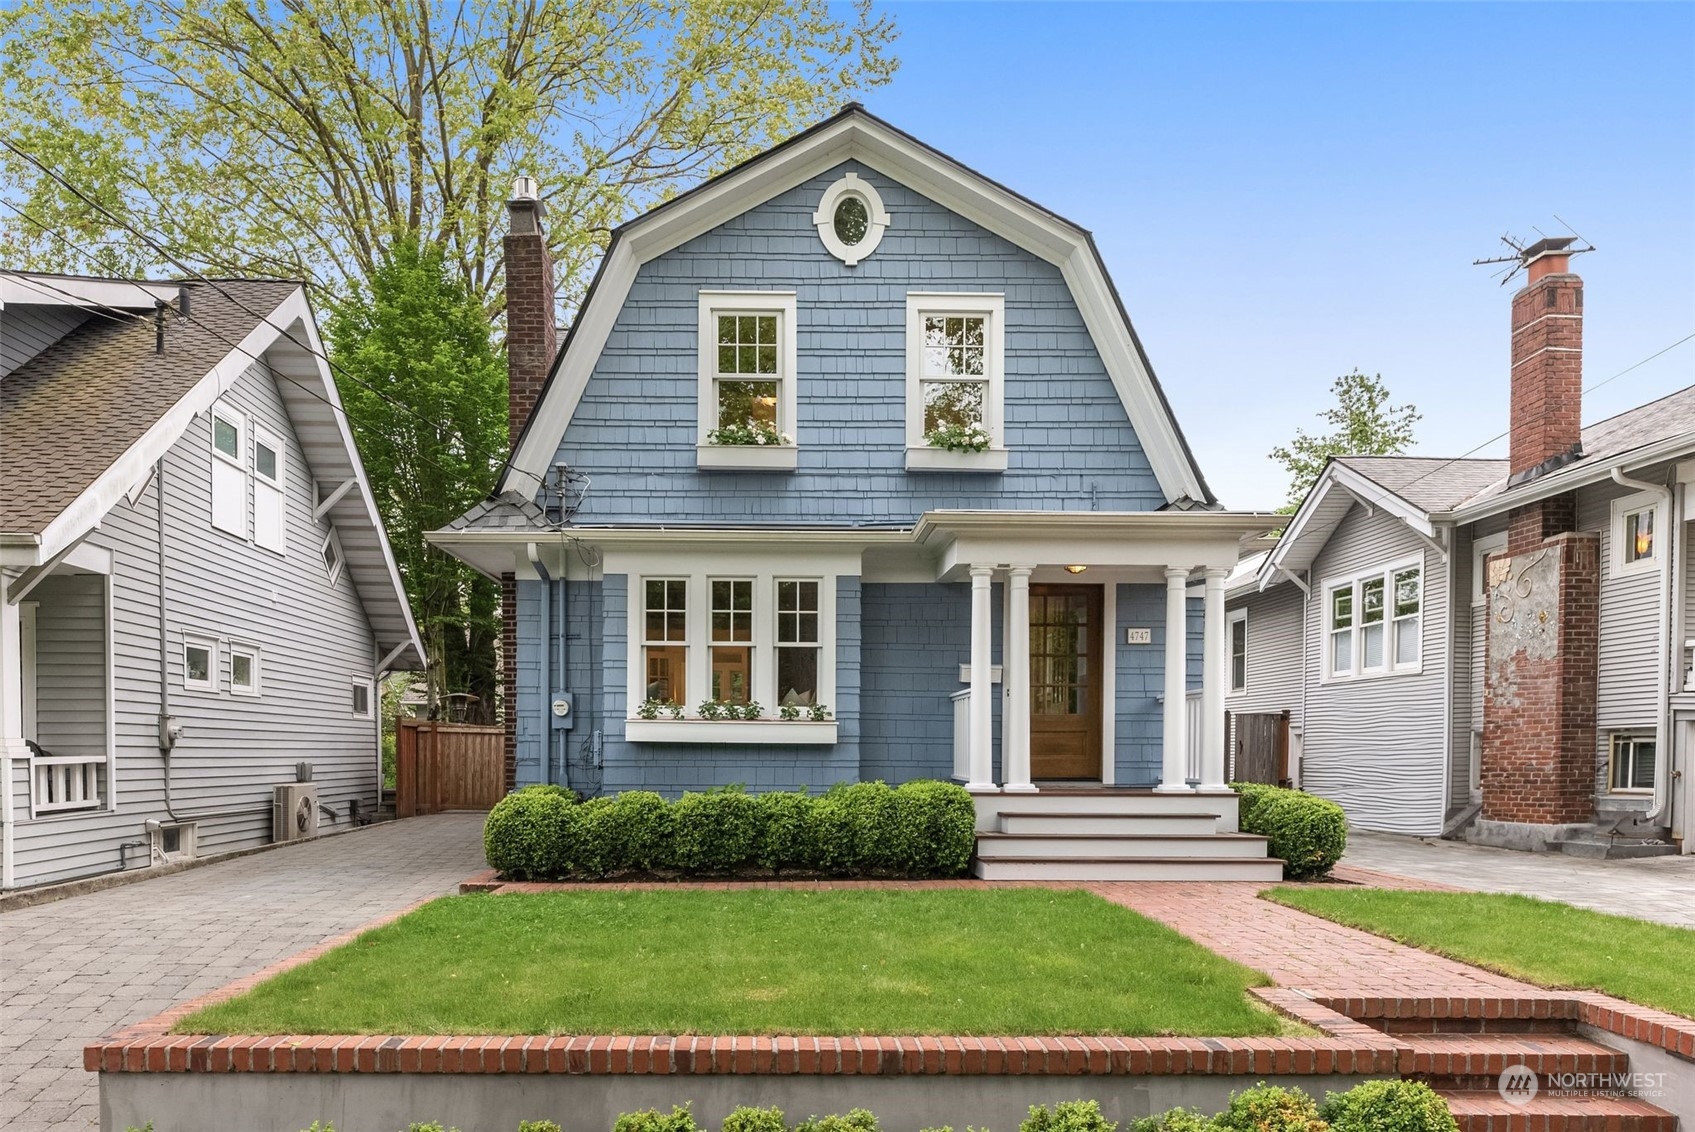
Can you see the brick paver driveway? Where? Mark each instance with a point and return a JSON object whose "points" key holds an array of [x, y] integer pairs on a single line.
{"points": [[1653, 888], [74, 969]]}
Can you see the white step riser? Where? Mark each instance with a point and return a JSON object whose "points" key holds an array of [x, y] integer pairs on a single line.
{"points": [[1037, 825], [1062, 802], [1199, 869], [1122, 848]]}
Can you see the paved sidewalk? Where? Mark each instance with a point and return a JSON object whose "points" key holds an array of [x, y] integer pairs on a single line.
{"points": [[1653, 888], [74, 969]]}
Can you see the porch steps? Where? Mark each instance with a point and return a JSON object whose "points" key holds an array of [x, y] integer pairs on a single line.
{"points": [[1479, 1111], [1108, 834]]}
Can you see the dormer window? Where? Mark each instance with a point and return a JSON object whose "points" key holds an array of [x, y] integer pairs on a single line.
{"points": [[747, 381]]}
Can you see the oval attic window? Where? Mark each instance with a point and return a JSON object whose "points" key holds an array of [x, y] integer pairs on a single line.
{"points": [[851, 220]]}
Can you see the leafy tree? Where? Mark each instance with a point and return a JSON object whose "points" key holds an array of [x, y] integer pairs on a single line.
{"points": [[418, 373], [1362, 423], [306, 139]]}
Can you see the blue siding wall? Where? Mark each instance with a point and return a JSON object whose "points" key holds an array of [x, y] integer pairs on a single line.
{"points": [[673, 768], [1140, 676], [634, 431]]}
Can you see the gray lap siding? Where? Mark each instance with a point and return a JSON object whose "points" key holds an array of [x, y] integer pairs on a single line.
{"points": [[313, 639]]}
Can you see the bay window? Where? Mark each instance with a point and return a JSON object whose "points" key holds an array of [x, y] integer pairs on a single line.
{"points": [[732, 640], [665, 653], [797, 643], [1374, 623]]}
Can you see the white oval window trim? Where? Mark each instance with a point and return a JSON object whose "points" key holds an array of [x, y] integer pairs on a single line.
{"points": [[877, 219]]}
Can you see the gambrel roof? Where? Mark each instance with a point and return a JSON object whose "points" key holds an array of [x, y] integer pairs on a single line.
{"points": [[856, 134]]}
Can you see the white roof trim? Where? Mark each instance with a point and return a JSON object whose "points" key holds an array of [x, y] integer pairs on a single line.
{"points": [[860, 137], [1591, 469], [1337, 476], [41, 289], [290, 328]]}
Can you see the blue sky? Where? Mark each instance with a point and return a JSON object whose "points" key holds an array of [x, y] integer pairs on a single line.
{"points": [[1284, 192]]}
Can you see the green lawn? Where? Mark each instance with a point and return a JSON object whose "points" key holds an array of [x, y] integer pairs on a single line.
{"points": [[1028, 961], [1539, 941]]}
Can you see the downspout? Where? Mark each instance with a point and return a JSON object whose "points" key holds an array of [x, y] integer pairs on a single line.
{"points": [[1451, 620], [167, 737], [540, 568], [1662, 727], [563, 669]]}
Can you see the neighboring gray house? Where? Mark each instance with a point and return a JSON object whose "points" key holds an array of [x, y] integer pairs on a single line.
{"points": [[195, 589], [1402, 629], [854, 435]]}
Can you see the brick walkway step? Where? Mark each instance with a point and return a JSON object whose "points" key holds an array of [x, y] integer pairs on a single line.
{"points": [[1470, 1055], [1261, 870], [1486, 1111]]}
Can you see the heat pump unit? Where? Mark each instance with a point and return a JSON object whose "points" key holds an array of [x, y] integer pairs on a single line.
{"points": [[294, 811]]}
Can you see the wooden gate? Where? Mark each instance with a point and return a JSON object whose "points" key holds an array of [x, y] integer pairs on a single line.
{"points": [[447, 766], [1260, 748]]}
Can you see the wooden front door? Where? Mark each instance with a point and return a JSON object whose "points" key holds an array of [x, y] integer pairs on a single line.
{"points": [[1065, 681]]}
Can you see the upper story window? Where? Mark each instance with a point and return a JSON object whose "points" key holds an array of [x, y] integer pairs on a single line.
{"points": [[331, 553], [955, 381], [850, 219], [747, 380], [1238, 650], [229, 471], [269, 496], [1375, 623], [199, 661], [1637, 533]]}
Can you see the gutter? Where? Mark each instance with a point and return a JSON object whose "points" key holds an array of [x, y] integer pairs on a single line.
{"points": [[1570, 478], [1662, 724]]}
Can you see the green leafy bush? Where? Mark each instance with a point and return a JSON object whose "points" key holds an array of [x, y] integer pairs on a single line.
{"points": [[717, 832], [1067, 1116], [856, 1120], [1270, 1108], [538, 1126], [747, 1119], [922, 829], [679, 1119], [1389, 1106], [1309, 833], [1173, 1120], [935, 828]]}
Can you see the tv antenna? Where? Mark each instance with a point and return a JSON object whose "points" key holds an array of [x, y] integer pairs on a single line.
{"points": [[1525, 252]]}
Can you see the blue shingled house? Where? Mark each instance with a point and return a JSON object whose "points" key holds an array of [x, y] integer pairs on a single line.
{"points": [[852, 467]]}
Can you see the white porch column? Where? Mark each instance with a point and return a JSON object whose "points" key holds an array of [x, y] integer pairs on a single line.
{"points": [[982, 681], [1015, 682], [11, 725], [1174, 762], [1215, 676]]}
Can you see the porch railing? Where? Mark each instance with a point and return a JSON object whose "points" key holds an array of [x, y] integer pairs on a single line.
{"points": [[65, 783]]}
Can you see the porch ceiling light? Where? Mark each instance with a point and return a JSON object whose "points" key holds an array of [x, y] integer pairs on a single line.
{"points": [[1075, 569]]}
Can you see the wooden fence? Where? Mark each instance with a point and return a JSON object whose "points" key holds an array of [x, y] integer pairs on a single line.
{"points": [[447, 766], [1260, 748]]}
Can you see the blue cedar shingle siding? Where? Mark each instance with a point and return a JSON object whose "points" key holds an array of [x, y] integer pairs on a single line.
{"points": [[634, 431]]}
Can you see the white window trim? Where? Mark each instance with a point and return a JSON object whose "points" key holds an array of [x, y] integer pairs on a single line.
{"points": [[334, 572], [876, 217], [746, 456], [238, 463], [698, 674], [370, 698], [214, 657], [919, 455], [1630, 505], [277, 483], [256, 689], [1356, 672], [239, 419], [1612, 753], [1230, 621], [1482, 550]]}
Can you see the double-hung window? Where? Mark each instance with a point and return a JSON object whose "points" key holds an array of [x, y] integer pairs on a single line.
{"points": [[797, 642], [665, 650], [747, 409], [955, 381], [1374, 623], [1238, 620], [732, 640]]}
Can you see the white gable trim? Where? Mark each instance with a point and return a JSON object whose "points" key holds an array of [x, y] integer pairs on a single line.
{"points": [[1306, 527], [859, 137]]}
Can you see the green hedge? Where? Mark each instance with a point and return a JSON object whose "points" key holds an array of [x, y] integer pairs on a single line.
{"points": [[1307, 832], [919, 829]]}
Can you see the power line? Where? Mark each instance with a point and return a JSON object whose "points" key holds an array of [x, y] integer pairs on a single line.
{"points": [[198, 276]]}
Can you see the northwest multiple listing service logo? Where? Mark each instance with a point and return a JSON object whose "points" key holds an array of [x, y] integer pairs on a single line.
{"points": [[1520, 1084]]}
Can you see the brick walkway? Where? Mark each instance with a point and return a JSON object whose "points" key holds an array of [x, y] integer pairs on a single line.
{"points": [[76, 968], [1654, 888]]}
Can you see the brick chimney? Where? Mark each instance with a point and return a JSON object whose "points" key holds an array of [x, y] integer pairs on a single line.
{"points": [[531, 340], [1538, 765]]}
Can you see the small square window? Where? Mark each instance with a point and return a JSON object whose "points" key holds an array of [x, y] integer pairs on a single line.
{"points": [[198, 660], [244, 670], [1634, 759], [361, 699], [265, 460], [226, 435], [1639, 535], [1638, 530]]}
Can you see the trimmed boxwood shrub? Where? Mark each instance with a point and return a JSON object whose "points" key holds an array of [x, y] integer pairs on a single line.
{"points": [[922, 829], [1389, 1106], [1309, 833]]}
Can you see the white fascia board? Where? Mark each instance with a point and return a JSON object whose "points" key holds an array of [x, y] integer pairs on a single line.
{"points": [[1375, 495], [301, 339], [39, 289], [110, 486], [948, 184], [1588, 471], [1297, 528]]}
